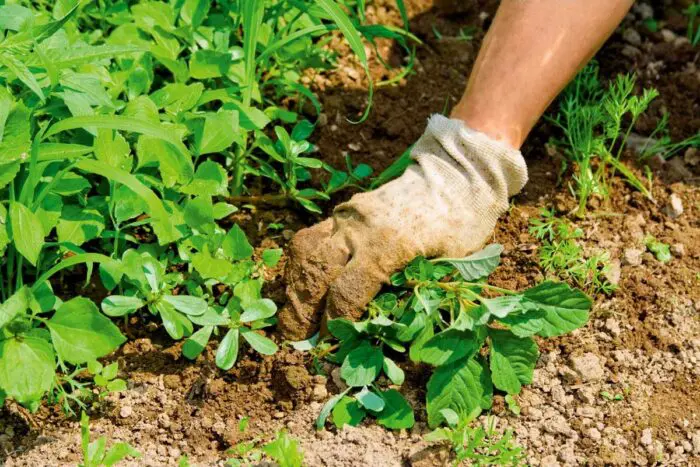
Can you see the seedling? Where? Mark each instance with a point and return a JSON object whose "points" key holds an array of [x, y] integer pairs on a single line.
{"points": [[562, 256], [477, 444], [659, 142], [661, 250], [96, 454], [443, 313], [284, 450], [592, 122], [693, 30]]}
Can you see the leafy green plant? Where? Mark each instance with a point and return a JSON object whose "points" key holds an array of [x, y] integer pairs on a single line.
{"points": [[96, 454], [283, 449], [660, 142], [443, 313], [595, 124], [562, 256], [661, 250], [124, 129], [477, 444]]}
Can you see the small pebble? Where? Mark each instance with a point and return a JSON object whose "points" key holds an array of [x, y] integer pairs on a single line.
{"points": [[646, 438], [126, 411]]}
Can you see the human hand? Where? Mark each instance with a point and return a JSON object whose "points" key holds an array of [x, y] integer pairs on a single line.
{"points": [[445, 205]]}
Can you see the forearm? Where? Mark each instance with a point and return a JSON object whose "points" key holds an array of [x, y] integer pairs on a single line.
{"points": [[531, 51]]}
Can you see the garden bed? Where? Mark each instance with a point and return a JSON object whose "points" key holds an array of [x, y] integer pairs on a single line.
{"points": [[621, 390]]}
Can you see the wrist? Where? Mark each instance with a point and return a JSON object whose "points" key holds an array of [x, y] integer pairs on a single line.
{"points": [[502, 127]]}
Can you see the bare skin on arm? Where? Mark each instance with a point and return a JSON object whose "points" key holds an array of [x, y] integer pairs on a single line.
{"points": [[447, 204], [531, 51]]}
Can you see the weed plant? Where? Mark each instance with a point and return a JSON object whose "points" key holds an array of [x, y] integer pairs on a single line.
{"points": [[595, 123], [477, 338], [129, 132], [562, 256]]}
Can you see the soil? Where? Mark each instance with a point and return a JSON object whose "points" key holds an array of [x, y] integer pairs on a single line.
{"points": [[623, 390]]}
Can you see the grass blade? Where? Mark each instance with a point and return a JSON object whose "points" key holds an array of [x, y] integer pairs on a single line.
{"points": [[253, 11]]}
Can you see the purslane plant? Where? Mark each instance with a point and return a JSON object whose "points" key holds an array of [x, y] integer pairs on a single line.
{"points": [[477, 337]]}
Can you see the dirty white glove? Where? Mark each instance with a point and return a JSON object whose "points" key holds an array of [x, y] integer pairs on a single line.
{"points": [[445, 205]]}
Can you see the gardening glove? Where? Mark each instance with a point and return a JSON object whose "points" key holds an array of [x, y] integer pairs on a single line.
{"points": [[445, 205]]}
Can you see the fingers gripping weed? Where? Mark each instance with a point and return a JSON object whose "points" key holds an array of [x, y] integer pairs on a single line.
{"points": [[477, 338]]}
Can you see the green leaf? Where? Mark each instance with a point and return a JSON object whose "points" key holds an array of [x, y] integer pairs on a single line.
{"points": [[392, 370], [362, 366], [369, 400], [327, 407], [218, 132], [397, 413], [252, 13], [525, 324], [197, 342], [222, 210], [8, 172], [78, 225], [210, 179], [448, 346], [258, 309], [285, 451], [119, 452], [199, 214], [227, 353], [205, 64], [271, 257], [26, 230], [81, 334], [13, 306], [342, 329], [513, 360], [50, 212], [193, 306], [193, 12], [174, 166], [26, 368], [236, 245], [477, 265], [121, 305], [565, 308], [75, 56], [348, 411], [260, 343], [22, 73], [463, 386], [176, 324]]}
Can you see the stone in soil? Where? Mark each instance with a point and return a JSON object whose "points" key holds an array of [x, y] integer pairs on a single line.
{"points": [[588, 367]]}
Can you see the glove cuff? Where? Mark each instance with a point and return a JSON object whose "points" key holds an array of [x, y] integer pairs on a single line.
{"points": [[463, 156]]}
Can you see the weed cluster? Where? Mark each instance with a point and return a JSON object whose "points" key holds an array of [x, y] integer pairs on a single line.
{"points": [[562, 256], [444, 313], [127, 130]]}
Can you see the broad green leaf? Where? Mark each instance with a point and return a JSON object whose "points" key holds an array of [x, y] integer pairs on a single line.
{"points": [[477, 265], [210, 267], [120, 305], [362, 366], [227, 353], [16, 136], [342, 329], [525, 324], [205, 64], [327, 407], [222, 210], [111, 148], [217, 133], [13, 306], [8, 172], [348, 411], [500, 307], [463, 386], [26, 368], [127, 204], [397, 413], [175, 166], [248, 291], [119, 452], [195, 344], [512, 360], [260, 343], [177, 97], [192, 306], [565, 308], [211, 318], [199, 214], [71, 184], [14, 16], [20, 70], [81, 334], [49, 212], [78, 225], [414, 352], [210, 179], [193, 12], [258, 309], [26, 230], [236, 245], [392, 370], [271, 257], [75, 56], [285, 450], [448, 346], [369, 400], [176, 324]]}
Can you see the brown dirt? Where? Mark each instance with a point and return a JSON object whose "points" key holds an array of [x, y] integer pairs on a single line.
{"points": [[646, 336]]}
